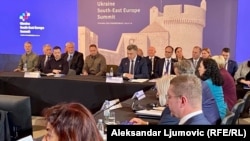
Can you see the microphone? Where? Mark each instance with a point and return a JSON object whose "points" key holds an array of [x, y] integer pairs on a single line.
{"points": [[106, 108]]}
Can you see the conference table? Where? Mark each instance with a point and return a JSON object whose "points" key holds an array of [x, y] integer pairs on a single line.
{"points": [[47, 91]]}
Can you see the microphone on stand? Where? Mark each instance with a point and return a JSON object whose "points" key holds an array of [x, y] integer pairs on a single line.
{"points": [[104, 107]]}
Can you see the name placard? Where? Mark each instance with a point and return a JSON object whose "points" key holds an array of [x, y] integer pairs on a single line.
{"points": [[32, 75], [114, 79]]}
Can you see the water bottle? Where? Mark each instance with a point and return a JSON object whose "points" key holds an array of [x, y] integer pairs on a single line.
{"points": [[100, 126], [25, 69], [111, 72], [106, 111]]}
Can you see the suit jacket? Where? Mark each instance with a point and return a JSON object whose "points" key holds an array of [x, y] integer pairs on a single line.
{"points": [[232, 67], [209, 105], [31, 60], [140, 67], [209, 108], [76, 63], [40, 65], [199, 119], [159, 67], [167, 118], [149, 63], [197, 65]]}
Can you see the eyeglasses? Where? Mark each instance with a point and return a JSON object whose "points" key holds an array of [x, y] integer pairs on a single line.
{"points": [[171, 96]]}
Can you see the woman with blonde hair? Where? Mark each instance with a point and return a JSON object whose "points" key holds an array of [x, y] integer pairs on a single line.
{"points": [[162, 85], [229, 88]]}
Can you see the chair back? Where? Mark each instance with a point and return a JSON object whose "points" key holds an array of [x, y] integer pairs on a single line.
{"points": [[245, 113], [228, 119], [237, 110]]}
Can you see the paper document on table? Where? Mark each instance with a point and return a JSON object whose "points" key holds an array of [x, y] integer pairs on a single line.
{"points": [[149, 112], [138, 80], [28, 138], [115, 104], [152, 80], [159, 108], [50, 74]]}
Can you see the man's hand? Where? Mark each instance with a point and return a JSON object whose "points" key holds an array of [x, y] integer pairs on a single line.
{"points": [[138, 121], [17, 70]]}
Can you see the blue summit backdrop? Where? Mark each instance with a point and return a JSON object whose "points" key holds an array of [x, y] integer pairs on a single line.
{"points": [[113, 24]]}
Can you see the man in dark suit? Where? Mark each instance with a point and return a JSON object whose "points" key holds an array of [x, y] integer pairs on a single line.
{"points": [[196, 59], [74, 58], [133, 66], [184, 98], [44, 58], [165, 66], [151, 61], [231, 66]]}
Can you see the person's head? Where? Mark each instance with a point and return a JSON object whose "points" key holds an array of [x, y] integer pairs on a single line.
{"points": [[184, 67], [140, 52], [226, 53], [151, 51], [196, 53], [57, 52], [184, 95], [93, 50], [169, 51], [208, 69], [70, 122], [162, 85], [178, 53], [70, 47], [132, 51], [206, 53], [219, 59], [28, 47], [47, 50]]}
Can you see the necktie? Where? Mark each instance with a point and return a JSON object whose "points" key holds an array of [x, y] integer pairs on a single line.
{"points": [[226, 65], [46, 60], [195, 63], [152, 62], [167, 66], [132, 67], [69, 58]]}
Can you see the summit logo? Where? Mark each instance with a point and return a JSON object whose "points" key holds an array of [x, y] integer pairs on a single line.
{"points": [[24, 16]]}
